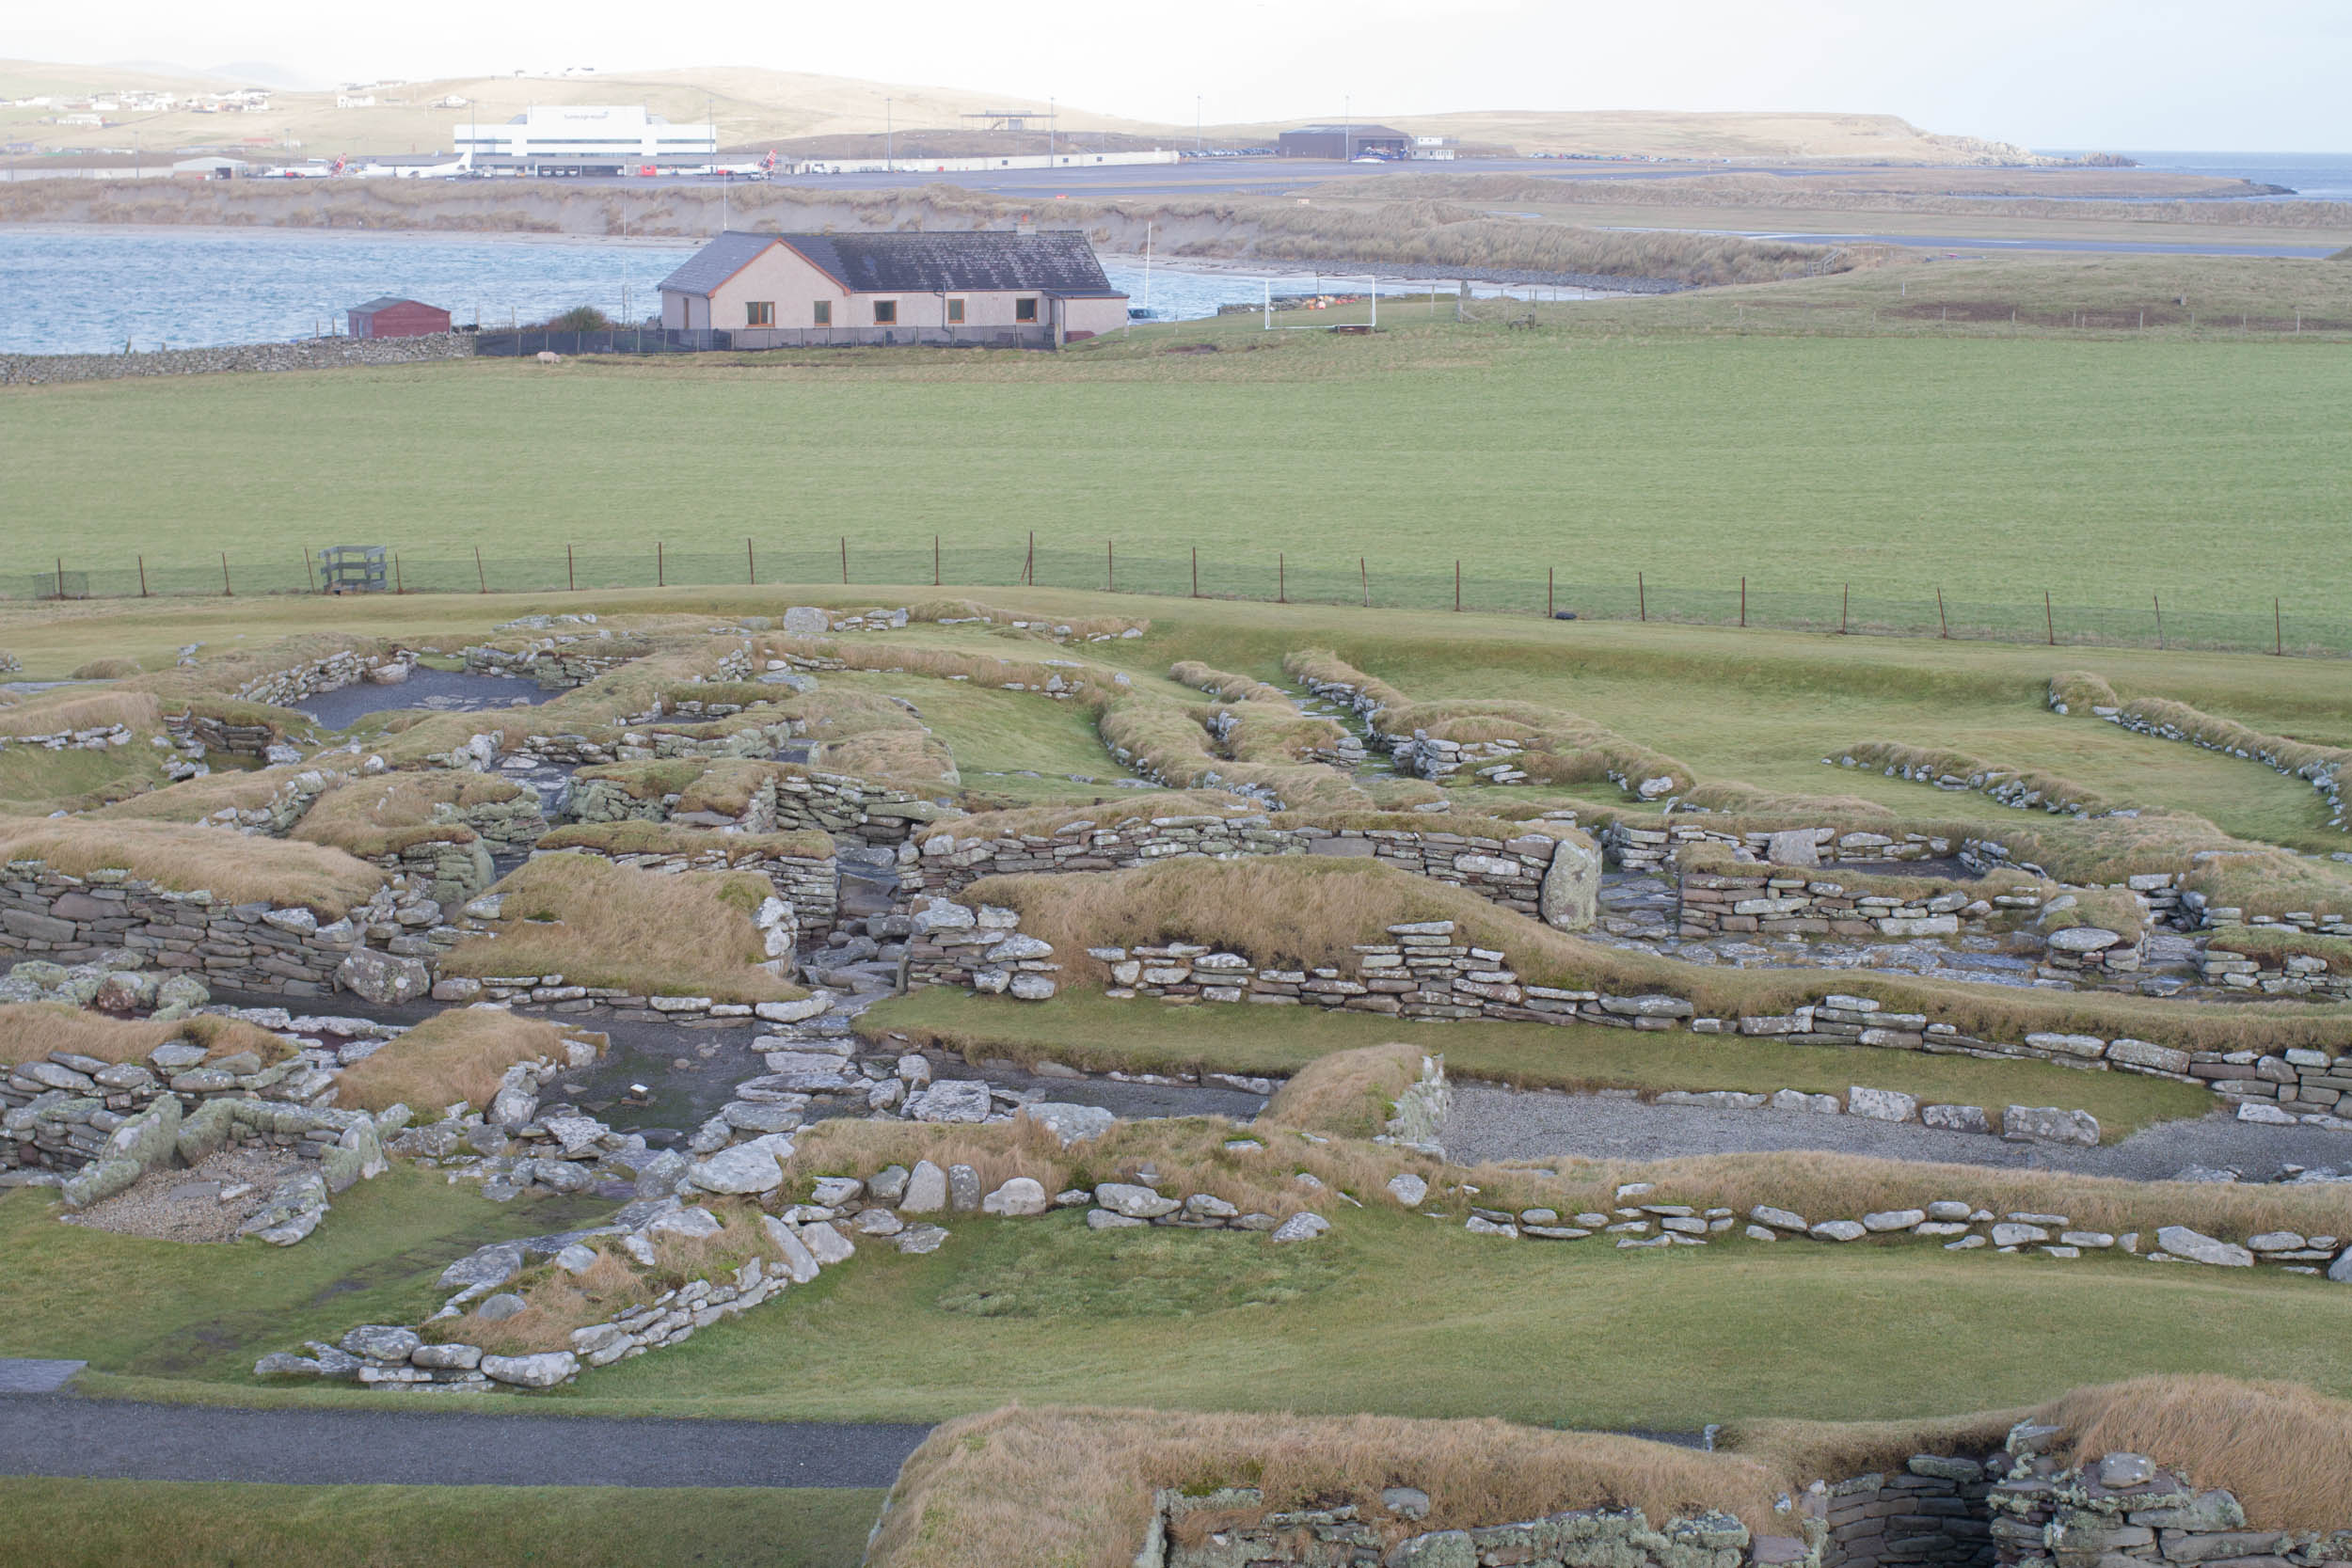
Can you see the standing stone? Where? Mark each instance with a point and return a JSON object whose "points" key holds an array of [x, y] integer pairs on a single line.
{"points": [[927, 1190], [806, 621], [1797, 846], [963, 1189], [1570, 897], [1300, 1227], [826, 1245]]}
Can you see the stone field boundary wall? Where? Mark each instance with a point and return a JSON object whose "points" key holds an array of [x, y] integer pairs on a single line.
{"points": [[2018, 1507], [1423, 973], [309, 354], [1553, 879], [96, 738], [2323, 775]]}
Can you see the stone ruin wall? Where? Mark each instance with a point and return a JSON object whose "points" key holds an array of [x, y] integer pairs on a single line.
{"points": [[1553, 880], [2018, 1507], [1423, 973]]}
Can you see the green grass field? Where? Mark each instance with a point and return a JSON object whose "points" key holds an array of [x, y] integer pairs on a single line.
{"points": [[2104, 472], [1083, 1029], [80, 1524], [1390, 1313]]}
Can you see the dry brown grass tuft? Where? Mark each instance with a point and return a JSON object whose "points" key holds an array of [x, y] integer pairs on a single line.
{"points": [[30, 1031], [1225, 687], [1168, 739], [107, 669], [2283, 1449], [1347, 1094], [1321, 666], [650, 933], [2051, 792], [383, 815], [235, 867], [194, 799], [53, 712], [913, 760], [458, 1054], [971, 1497]]}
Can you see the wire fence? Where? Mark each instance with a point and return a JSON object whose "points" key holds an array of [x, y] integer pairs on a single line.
{"points": [[1484, 587]]}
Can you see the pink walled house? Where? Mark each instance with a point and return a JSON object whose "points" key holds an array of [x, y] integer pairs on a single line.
{"points": [[980, 285]]}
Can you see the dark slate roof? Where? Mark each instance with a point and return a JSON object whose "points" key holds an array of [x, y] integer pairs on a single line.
{"points": [[385, 302], [715, 262], [1058, 262]]}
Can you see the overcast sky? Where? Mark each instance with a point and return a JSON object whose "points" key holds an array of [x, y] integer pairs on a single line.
{"points": [[2245, 75]]}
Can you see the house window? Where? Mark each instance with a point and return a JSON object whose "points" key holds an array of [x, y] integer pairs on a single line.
{"points": [[885, 313], [1024, 310], [824, 313], [759, 313], [955, 312]]}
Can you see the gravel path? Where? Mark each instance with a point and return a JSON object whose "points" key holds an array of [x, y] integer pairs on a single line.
{"points": [[1491, 1122], [51, 1434]]}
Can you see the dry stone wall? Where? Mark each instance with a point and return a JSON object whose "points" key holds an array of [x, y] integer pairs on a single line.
{"points": [[1647, 849], [811, 886], [1555, 879], [287, 687], [309, 354], [48, 915], [1217, 1530], [1424, 972], [833, 804]]}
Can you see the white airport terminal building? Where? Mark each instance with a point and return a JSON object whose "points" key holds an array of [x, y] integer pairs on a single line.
{"points": [[599, 135]]}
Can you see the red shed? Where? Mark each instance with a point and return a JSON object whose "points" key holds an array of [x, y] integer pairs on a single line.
{"points": [[397, 318]]}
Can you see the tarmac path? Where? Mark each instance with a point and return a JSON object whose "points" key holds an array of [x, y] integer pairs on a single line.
{"points": [[58, 1434]]}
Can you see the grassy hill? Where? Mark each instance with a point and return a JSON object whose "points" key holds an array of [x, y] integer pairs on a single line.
{"points": [[755, 106]]}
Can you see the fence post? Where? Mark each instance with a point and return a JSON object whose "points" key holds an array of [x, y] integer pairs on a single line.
{"points": [[1365, 577], [1196, 571], [1844, 602], [845, 561], [934, 561], [1110, 568], [1550, 603], [1743, 601], [142, 576], [1282, 576], [2277, 630], [1640, 588], [1457, 584], [398, 587], [226, 591], [308, 570], [1028, 566], [2049, 618], [481, 578], [1944, 628], [661, 571], [61, 576], [751, 562], [570, 580], [2159, 601]]}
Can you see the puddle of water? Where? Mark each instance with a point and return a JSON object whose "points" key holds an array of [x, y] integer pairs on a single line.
{"points": [[435, 690]]}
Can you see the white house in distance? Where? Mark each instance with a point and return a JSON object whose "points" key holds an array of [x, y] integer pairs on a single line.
{"points": [[608, 135], [977, 286]]}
